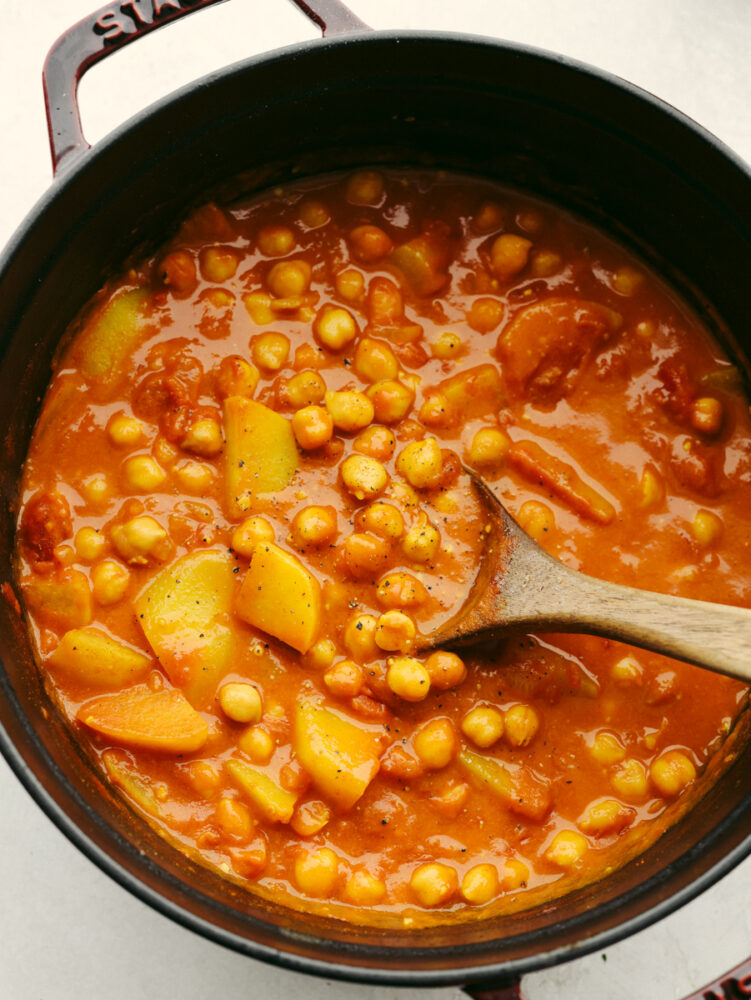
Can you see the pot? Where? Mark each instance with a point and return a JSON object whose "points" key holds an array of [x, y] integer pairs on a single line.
{"points": [[611, 153]]}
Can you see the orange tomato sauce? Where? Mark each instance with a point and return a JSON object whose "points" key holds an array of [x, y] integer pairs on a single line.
{"points": [[244, 500]]}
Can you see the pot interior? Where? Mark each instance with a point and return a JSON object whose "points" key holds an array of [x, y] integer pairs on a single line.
{"points": [[578, 139]]}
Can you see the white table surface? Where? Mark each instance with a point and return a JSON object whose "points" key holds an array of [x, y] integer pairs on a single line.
{"points": [[66, 930]]}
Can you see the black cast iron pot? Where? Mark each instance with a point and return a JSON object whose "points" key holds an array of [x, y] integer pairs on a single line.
{"points": [[629, 163]]}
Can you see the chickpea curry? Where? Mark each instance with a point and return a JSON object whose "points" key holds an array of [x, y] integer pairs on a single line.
{"points": [[245, 501]]}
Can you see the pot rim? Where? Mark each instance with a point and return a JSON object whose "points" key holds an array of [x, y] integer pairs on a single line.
{"points": [[502, 971]]}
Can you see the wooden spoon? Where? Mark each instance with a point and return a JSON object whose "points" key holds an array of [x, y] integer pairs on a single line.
{"points": [[519, 586]]}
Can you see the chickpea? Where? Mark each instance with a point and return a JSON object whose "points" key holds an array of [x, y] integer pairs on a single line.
{"points": [[382, 519], [364, 477], [349, 284], [234, 818], [270, 351], [626, 280], [89, 544], [316, 872], [630, 779], [607, 748], [408, 678], [370, 243], [218, 264], [530, 220], [489, 216], [305, 389], [515, 874], [391, 400], [276, 241], [401, 590], [545, 263], [627, 672], [141, 538], [671, 773], [446, 670], [258, 306], [365, 555], [707, 415], [509, 255], [240, 702], [350, 410], [321, 655], [203, 438], [310, 818], [605, 816], [485, 314], [314, 526], [257, 744], [364, 889], [706, 527], [359, 638], [194, 477], [448, 346], [289, 279], [483, 725], [489, 447], [335, 327], [395, 632], [313, 213], [365, 187], [376, 442], [435, 744], [178, 273], [421, 463], [566, 848], [246, 535], [480, 884], [143, 473], [375, 361], [313, 427], [109, 582], [344, 679], [124, 431], [652, 488], [236, 377], [421, 541], [203, 778], [97, 488], [434, 884], [536, 518], [522, 723]]}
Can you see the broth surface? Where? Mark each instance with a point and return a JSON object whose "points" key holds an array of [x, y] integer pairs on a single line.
{"points": [[244, 498]]}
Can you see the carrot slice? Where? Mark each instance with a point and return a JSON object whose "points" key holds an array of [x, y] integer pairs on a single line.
{"points": [[562, 479], [153, 720]]}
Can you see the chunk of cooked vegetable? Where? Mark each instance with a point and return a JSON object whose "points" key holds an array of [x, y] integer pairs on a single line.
{"points": [[472, 393], [111, 334], [261, 454], [185, 615], [62, 601], [90, 655], [562, 479], [273, 802], [340, 755], [122, 771], [163, 720], [281, 597], [519, 790], [424, 260], [545, 345]]}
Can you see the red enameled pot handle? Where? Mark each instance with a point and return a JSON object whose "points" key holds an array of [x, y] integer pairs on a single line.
{"points": [[111, 27]]}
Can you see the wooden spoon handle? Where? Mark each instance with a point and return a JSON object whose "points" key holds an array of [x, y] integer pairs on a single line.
{"points": [[717, 636]]}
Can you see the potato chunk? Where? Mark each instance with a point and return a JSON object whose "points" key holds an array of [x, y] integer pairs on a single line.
{"points": [[261, 454], [185, 615], [475, 392], [273, 802], [279, 596], [110, 336], [153, 720], [519, 790], [424, 260], [123, 772], [62, 601], [90, 655], [341, 756]]}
